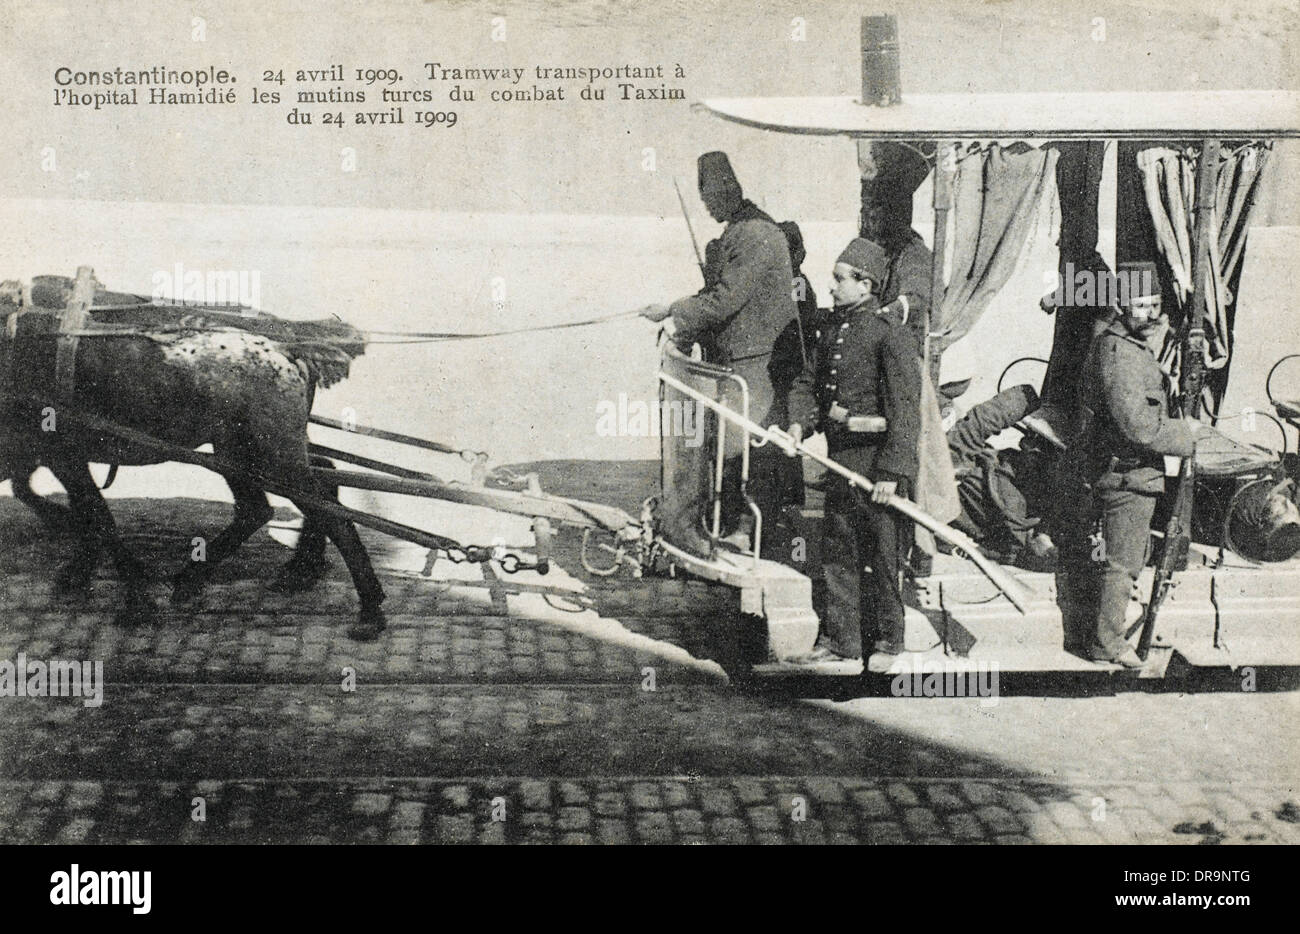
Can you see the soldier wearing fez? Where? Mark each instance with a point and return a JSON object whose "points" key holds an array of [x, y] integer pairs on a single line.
{"points": [[862, 390], [1113, 471], [739, 318]]}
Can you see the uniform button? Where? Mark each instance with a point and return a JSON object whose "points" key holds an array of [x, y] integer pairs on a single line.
{"points": [[835, 356], [844, 325], [839, 340]]}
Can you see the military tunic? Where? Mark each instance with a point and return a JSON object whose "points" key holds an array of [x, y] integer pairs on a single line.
{"points": [[866, 366], [1112, 474]]}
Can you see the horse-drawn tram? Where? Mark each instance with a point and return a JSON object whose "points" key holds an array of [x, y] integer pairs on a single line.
{"points": [[1222, 590]]}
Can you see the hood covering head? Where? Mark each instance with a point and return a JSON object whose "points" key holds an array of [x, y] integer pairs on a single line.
{"points": [[794, 237], [891, 173]]}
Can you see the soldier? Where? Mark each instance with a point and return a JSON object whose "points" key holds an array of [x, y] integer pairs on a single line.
{"points": [[863, 391], [802, 291], [1004, 492], [738, 317], [795, 345], [1113, 472], [891, 173]]}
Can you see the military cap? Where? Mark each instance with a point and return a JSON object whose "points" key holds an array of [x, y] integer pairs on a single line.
{"points": [[866, 257]]}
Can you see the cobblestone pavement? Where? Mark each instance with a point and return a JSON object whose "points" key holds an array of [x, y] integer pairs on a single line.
{"points": [[494, 712]]}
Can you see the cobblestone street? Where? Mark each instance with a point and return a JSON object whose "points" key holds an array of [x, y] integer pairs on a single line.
{"points": [[514, 711]]}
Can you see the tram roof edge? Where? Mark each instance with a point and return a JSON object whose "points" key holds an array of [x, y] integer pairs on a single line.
{"points": [[1031, 115]]}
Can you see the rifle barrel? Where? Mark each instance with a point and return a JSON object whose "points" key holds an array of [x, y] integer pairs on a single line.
{"points": [[695, 244]]}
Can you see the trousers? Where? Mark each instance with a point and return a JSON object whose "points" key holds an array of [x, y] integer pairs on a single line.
{"points": [[863, 549], [1105, 543]]}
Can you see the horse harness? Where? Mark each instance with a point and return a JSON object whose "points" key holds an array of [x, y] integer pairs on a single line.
{"points": [[73, 320]]}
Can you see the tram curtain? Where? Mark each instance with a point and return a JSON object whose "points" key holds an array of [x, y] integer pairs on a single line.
{"points": [[997, 194], [1169, 186]]}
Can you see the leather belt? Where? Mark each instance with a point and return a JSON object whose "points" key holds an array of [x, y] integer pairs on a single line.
{"points": [[858, 424], [867, 424]]}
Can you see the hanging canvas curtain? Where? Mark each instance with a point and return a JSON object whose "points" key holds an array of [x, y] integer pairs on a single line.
{"points": [[1169, 184], [996, 198]]}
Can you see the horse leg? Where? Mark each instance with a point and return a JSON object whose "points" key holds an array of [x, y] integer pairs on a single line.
{"points": [[252, 511], [75, 576], [370, 623], [54, 517], [307, 566], [100, 531]]}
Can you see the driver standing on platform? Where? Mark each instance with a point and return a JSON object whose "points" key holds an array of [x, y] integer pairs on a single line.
{"points": [[863, 391], [737, 318]]}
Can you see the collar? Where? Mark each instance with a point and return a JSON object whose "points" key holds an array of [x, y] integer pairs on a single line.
{"points": [[748, 210], [871, 304], [1118, 328]]}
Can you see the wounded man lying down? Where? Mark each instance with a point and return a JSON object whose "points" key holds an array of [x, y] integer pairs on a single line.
{"points": [[1005, 493]]}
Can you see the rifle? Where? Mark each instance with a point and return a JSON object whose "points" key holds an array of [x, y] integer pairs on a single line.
{"points": [[1173, 549], [695, 244], [959, 540]]}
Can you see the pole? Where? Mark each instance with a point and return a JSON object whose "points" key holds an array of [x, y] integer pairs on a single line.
{"points": [[944, 166], [1000, 578], [1173, 549]]}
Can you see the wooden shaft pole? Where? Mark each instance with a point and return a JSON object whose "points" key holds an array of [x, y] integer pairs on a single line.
{"points": [[944, 167]]}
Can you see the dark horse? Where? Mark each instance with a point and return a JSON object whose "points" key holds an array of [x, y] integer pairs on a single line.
{"points": [[243, 384]]}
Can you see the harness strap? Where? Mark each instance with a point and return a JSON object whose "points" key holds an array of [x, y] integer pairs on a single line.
{"points": [[72, 319]]}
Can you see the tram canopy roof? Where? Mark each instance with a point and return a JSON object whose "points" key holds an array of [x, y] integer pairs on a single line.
{"points": [[1046, 115]]}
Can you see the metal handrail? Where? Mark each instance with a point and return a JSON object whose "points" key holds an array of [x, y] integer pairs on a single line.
{"points": [[719, 373]]}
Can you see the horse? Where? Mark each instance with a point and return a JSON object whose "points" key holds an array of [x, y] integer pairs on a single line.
{"points": [[188, 377], [56, 519]]}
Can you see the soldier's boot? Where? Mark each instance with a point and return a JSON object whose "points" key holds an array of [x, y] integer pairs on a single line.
{"points": [[1109, 643]]}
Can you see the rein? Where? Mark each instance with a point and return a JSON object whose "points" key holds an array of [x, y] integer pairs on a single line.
{"points": [[367, 336]]}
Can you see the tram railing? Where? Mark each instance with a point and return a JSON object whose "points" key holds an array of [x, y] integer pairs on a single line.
{"points": [[692, 466]]}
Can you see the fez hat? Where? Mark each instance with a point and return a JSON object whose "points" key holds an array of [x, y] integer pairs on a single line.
{"points": [[1138, 279], [716, 173], [866, 257]]}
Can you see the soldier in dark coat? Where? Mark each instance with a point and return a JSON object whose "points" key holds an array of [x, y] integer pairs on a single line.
{"points": [[891, 173], [863, 391], [1113, 472], [805, 297], [738, 318], [796, 346]]}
